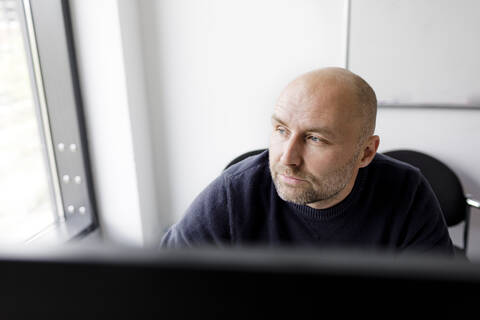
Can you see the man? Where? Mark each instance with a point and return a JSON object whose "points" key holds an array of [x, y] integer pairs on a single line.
{"points": [[321, 182]]}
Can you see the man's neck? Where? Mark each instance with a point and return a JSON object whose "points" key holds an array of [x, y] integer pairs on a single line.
{"points": [[337, 198]]}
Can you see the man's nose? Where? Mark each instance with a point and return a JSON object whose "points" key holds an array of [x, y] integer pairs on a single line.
{"points": [[291, 155]]}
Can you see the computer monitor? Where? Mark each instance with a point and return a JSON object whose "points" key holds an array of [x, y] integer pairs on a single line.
{"points": [[111, 282]]}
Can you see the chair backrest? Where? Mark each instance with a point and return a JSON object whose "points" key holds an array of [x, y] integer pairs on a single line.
{"points": [[444, 182], [244, 156]]}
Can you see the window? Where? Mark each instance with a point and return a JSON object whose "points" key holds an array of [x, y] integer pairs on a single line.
{"points": [[26, 205], [45, 185]]}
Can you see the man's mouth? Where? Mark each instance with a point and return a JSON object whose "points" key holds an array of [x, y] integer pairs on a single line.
{"points": [[291, 179]]}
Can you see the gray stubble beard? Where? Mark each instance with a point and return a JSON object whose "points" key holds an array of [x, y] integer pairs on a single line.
{"points": [[329, 186]]}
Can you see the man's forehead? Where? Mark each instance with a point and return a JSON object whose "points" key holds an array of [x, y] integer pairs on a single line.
{"points": [[311, 106], [326, 98], [336, 99], [311, 93]]}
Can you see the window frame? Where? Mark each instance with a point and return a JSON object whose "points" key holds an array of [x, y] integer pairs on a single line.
{"points": [[55, 84]]}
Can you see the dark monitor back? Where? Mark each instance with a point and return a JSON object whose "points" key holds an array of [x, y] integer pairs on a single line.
{"points": [[235, 283]]}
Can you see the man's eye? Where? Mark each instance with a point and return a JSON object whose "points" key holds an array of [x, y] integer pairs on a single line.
{"points": [[281, 130], [315, 139]]}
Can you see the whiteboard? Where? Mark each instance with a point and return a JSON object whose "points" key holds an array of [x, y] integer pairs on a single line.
{"points": [[417, 52]]}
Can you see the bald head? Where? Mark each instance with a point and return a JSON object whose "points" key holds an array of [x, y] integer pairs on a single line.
{"points": [[354, 93]]}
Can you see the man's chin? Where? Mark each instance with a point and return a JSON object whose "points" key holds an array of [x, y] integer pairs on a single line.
{"points": [[291, 197]]}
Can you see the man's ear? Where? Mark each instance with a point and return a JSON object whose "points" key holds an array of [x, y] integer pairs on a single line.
{"points": [[369, 150]]}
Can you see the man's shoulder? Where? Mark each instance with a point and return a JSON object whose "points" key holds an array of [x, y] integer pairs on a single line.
{"points": [[248, 168], [386, 163], [385, 171]]}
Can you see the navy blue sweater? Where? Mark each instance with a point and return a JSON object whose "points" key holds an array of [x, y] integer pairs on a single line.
{"points": [[391, 206]]}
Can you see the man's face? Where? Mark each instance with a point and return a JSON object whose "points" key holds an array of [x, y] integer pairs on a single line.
{"points": [[314, 146]]}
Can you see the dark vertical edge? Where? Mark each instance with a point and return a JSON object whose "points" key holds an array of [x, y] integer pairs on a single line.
{"points": [[466, 229], [81, 118]]}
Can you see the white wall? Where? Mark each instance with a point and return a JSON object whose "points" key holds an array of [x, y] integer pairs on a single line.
{"points": [[113, 90], [418, 51], [214, 70]]}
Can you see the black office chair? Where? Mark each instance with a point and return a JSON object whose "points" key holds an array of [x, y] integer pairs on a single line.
{"points": [[447, 187], [445, 183], [244, 156]]}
